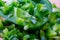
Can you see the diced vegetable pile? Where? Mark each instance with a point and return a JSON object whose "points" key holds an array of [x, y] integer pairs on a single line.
{"points": [[29, 20]]}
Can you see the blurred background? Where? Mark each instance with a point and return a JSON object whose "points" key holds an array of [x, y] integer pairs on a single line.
{"points": [[56, 2]]}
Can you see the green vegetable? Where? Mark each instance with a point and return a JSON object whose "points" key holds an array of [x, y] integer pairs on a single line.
{"points": [[29, 20], [1, 25]]}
